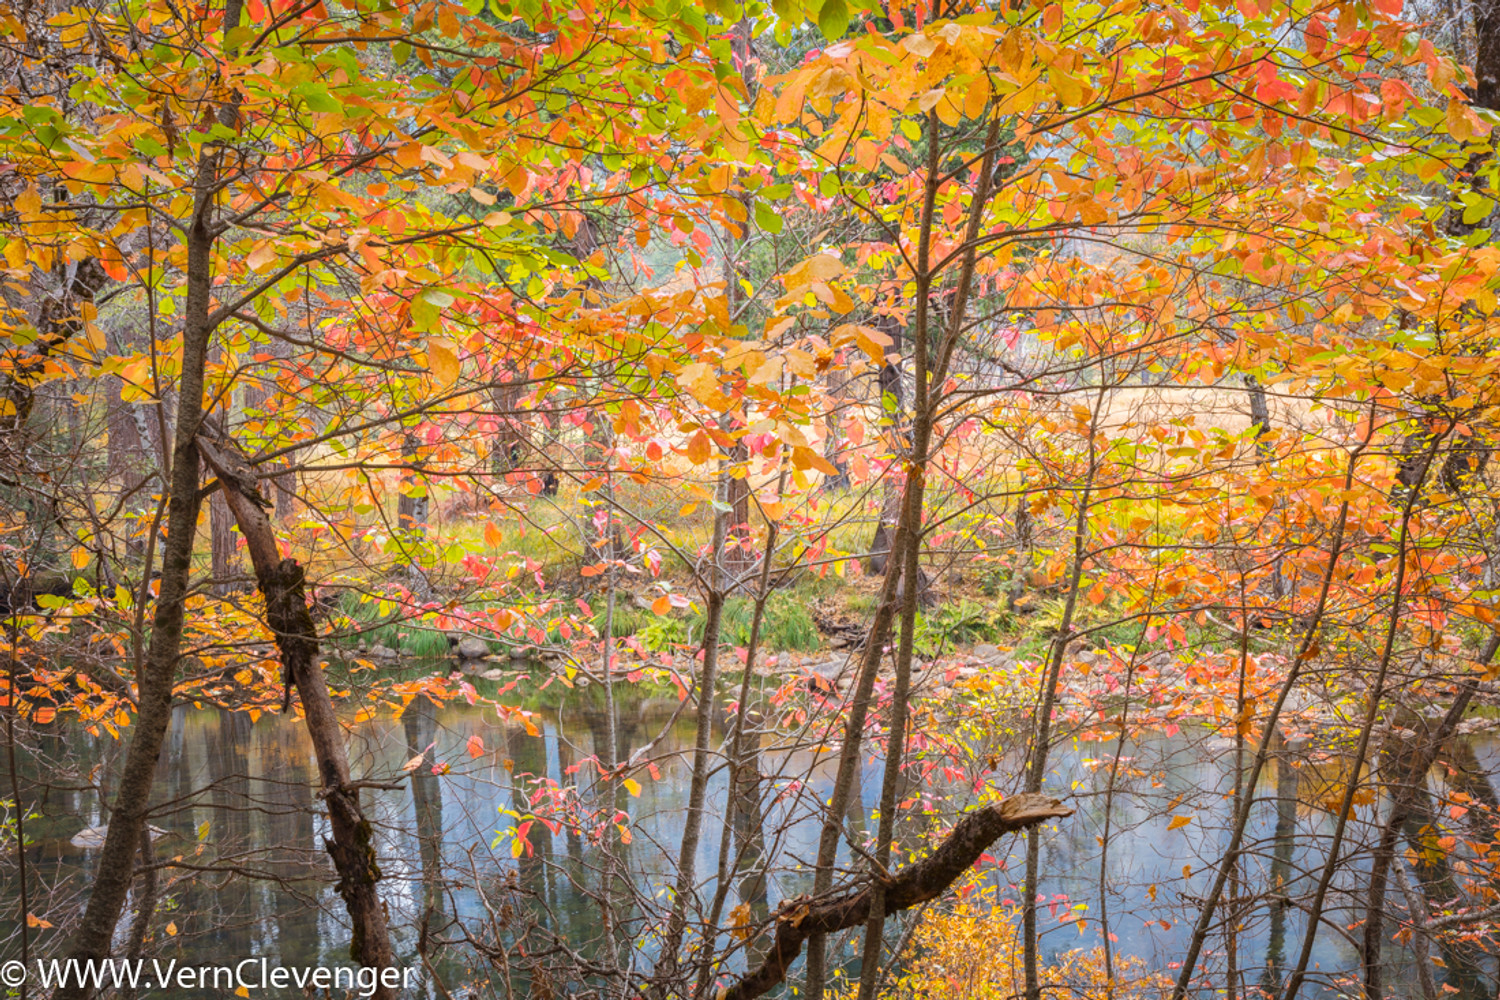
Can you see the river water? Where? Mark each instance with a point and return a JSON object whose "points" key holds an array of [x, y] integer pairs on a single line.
{"points": [[239, 820]]}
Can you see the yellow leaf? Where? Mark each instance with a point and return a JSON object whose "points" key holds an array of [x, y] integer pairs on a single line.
{"points": [[172, 929], [739, 922], [517, 845], [261, 257], [1179, 822], [633, 787], [80, 558]]}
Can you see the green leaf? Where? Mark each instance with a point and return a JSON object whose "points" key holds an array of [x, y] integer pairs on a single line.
{"points": [[767, 218], [833, 19], [320, 100], [1476, 208]]}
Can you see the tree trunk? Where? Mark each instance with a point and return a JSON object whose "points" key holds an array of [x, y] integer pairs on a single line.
{"points": [[687, 853], [91, 943], [833, 436], [225, 566], [1283, 840], [130, 453], [1405, 769], [411, 516], [893, 413], [290, 619]]}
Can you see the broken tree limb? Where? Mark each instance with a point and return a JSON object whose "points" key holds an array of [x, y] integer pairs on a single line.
{"points": [[915, 884], [287, 613]]}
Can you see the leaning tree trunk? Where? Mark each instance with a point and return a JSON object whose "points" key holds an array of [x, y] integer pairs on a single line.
{"points": [[287, 613]]}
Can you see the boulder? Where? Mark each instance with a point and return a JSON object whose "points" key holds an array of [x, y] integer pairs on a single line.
{"points": [[471, 647], [379, 652]]}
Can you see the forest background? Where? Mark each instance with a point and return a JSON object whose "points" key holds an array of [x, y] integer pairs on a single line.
{"points": [[936, 410]]}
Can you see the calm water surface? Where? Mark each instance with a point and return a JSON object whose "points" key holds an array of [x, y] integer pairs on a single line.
{"points": [[241, 794]]}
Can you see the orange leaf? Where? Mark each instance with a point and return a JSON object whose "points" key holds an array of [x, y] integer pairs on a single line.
{"points": [[699, 448]]}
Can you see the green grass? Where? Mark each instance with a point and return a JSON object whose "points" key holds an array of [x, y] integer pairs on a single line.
{"points": [[358, 621], [628, 619], [787, 626]]}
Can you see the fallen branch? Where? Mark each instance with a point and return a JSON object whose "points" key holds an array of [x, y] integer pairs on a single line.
{"points": [[799, 919]]}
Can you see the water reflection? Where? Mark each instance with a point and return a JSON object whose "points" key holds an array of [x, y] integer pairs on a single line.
{"points": [[245, 872]]}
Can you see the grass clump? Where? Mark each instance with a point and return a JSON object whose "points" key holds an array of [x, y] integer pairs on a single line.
{"points": [[787, 625]]}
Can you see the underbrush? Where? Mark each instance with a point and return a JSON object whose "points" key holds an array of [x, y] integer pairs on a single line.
{"points": [[973, 948]]}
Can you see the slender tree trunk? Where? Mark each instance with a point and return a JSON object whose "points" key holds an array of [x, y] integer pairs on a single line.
{"points": [[1231, 854], [833, 435], [687, 853], [895, 751], [226, 568], [91, 942], [850, 753], [411, 516], [743, 819], [1041, 744], [1372, 711], [921, 446], [893, 409]]}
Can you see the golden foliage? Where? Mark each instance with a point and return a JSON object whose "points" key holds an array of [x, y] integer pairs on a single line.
{"points": [[971, 950]]}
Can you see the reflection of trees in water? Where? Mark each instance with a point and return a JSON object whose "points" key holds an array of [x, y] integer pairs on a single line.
{"points": [[1281, 874], [286, 768], [229, 783], [419, 724], [1464, 961], [255, 786]]}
